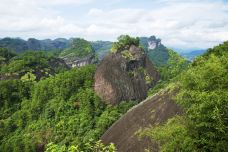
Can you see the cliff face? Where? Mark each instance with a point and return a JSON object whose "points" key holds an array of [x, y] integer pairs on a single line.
{"points": [[125, 75], [151, 112], [80, 53]]}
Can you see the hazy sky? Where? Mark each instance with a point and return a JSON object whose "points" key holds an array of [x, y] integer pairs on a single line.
{"points": [[186, 24]]}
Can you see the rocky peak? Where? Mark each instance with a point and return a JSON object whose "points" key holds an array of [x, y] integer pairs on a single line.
{"points": [[153, 42], [125, 75]]}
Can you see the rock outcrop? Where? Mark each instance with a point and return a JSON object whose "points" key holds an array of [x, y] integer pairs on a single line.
{"points": [[153, 111], [125, 75], [80, 53]]}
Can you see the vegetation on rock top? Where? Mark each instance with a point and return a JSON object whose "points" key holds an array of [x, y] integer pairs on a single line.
{"points": [[61, 109], [124, 43], [79, 48]]}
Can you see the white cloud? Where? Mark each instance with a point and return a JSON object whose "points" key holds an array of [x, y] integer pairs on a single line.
{"points": [[64, 2], [192, 24], [95, 12], [180, 24]]}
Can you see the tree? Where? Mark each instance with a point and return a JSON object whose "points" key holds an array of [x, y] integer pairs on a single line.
{"points": [[6, 55], [124, 43]]}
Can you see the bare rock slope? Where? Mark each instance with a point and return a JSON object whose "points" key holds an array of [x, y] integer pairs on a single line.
{"points": [[125, 75], [153, 111]]}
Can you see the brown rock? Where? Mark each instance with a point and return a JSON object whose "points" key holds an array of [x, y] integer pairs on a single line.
{"points": [[153, 111], [119, 78]]}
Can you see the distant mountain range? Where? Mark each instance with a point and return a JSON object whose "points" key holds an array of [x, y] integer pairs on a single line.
{"points": [[20, 45], [153, 47], [192, 54]]}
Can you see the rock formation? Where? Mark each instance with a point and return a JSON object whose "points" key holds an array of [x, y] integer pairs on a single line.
{"points": [[125, 75], [153, 111]]}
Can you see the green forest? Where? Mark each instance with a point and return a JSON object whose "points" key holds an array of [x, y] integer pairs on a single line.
{"points": [[203, 94], [47, 106]]}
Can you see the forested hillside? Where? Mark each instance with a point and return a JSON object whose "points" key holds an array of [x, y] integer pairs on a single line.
{"points": [[62, 109], [47, 106], [203, 95], [31, 65]]}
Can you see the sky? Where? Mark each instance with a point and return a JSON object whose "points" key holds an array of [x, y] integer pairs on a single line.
{"points": [[182, 24]]}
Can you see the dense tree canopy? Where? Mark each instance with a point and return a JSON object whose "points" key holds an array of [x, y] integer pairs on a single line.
{"points": [[79, 48], [34, 63], [45, 106], [6, 55], [203, 95], [62, 110]]}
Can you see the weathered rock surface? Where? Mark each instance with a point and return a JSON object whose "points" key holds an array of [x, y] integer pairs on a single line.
{"points": [[153, 111], [125, 75]]}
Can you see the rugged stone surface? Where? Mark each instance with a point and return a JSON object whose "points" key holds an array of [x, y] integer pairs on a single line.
{"points": [[153, 111], [79, 62], [125, 75]]}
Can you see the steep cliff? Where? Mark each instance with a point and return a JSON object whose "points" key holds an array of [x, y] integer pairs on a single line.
{"points": [[125, 75]]}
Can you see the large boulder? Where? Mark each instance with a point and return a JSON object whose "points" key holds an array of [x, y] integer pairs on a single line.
{"points": [[153, 111], [125, 75]]}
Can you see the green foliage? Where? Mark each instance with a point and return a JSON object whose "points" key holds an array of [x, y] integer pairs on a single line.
{"points": [[62, 110], [90, 147], [159, 56], [101, 48], [124, 43], [170, 72], [26, 61], [219, 50], [159, 86], [79, 48], [32, 63], [203, 95], [6, 55], [127, 55], [175, 65], [170, 135], [148, 78], [28, 77], [11, 94]]}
